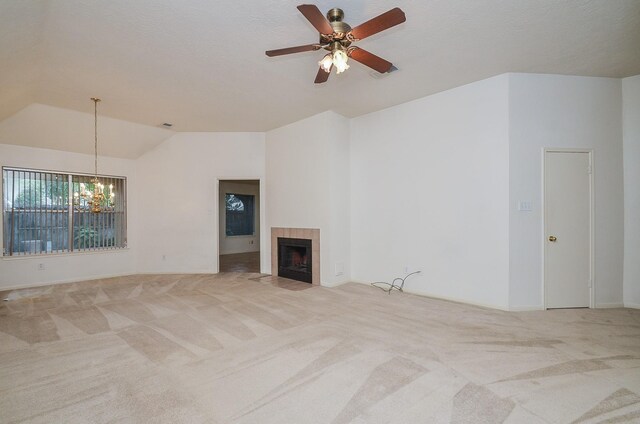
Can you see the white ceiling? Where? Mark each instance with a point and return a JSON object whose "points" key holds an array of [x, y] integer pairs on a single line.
{"points": [[49, 127], [200, 64]]}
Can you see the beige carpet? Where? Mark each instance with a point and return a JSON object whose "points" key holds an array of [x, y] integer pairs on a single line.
{"points": [[241, 348]]}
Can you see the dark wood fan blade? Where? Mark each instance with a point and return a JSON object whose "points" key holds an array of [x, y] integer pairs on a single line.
{"points": [[322, 75], [371, 60], [379, 23], [289, 50], [317, 19]]}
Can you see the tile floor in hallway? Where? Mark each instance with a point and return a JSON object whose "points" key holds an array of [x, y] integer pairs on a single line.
{"points": [[240, 262]]}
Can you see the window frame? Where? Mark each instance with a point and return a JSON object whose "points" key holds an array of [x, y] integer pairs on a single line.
{"points": [[71, 211]]}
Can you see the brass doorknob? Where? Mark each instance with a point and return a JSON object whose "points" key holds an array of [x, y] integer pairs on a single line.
{"points": [[552, 238]]}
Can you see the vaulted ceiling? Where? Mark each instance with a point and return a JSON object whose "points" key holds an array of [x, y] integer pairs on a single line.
{"points": [[200, 64]]}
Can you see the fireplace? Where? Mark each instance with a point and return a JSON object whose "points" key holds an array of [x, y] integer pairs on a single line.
{"points": [[312, 254], [294, 259]]}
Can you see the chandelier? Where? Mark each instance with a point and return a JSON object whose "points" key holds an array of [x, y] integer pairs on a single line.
{"points": [[96, 200]]}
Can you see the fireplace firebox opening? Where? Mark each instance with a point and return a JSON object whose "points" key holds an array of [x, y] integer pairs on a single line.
{"points": [[294, 259]]}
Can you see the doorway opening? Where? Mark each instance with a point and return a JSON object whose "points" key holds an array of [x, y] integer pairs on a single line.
{"points": [[239, 225]]}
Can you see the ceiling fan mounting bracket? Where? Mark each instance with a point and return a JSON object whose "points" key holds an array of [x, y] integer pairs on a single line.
{"points": [[341, 29], [335, 14]]}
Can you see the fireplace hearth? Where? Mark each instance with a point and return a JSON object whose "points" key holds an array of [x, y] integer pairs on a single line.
{"points": [[295, 259]]}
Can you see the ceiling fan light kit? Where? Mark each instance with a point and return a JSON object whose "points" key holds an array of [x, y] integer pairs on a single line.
{"points": [[338, 58], [336, 36]]}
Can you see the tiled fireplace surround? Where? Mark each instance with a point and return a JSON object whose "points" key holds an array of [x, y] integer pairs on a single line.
{"points": [[312, 234]]}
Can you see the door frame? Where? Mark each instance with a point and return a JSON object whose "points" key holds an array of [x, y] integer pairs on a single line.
{"points": [[262, 218], [592, 280]]}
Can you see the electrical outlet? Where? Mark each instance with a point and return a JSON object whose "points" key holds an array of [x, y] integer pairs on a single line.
{"points": [[40, 267], [339, 268], [406, 269], [164, 257]]}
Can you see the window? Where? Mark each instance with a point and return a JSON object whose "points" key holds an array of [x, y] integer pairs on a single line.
{"points": [[239, 214], [38, 217]]}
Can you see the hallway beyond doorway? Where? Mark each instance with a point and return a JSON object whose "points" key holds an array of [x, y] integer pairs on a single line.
{"points": [[240, 262]]}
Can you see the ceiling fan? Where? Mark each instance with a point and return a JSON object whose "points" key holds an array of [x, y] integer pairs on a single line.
{"points": [[336, 36]]}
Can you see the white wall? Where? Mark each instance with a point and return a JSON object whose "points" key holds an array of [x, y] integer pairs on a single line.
{"points": [[340, 203], [307, 166], [432, 184], [430, 191], [239, 244], [631, 146], [179, 197], [22, 272], [564, 111]]}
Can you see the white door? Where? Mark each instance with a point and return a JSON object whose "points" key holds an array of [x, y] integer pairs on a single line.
{"points": [[567, 200]]}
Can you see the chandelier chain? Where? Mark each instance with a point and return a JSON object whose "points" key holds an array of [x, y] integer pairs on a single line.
{"points": [[95, 126]]}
